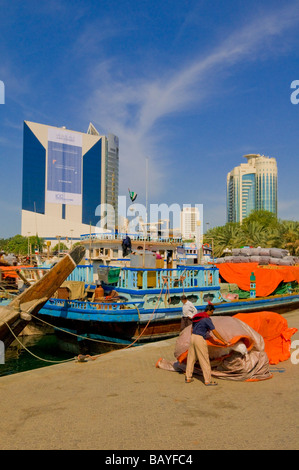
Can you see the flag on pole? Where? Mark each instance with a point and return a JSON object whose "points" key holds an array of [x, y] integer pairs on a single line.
{"points": [[133, 195]]}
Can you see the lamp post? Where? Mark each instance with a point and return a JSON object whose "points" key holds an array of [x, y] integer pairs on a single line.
{"points": [[48, 248], [199, 241], [58, 238], [212, 246], [29, 254]]}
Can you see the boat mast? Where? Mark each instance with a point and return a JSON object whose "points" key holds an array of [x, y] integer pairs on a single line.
{"points": [[146, 188], [146, 202]]}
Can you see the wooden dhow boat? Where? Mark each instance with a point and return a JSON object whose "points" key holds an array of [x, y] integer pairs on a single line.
{"points": [[138, 305], [16, 313]]}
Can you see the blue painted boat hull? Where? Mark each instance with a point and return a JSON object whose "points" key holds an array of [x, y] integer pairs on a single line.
{"points": [[149, 306], [93, 327]]}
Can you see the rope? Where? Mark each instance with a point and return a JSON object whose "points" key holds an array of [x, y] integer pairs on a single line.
{"points": [[74, 334], [182, 278], [30, 352], [86, 338], [104, 341], [150, 319], [167, 293]]}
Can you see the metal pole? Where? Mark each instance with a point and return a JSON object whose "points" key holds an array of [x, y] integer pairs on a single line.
{"points": [[58, 238], [28, 245], [146, 189], [90, 243]]}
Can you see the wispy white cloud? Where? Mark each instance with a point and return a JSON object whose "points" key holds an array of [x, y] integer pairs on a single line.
{"points": [[133, 107], [93, 39], [288, 209]]}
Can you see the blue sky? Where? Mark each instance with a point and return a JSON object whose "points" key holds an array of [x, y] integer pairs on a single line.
{"points": [[192, 85]]}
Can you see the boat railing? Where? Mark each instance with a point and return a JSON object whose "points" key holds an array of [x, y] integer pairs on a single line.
{"points": [[81, 305], [81, 273], [133, 236], [140, 278], [33, 274]]}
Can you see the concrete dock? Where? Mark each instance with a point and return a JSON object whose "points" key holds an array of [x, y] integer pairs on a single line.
{"points": [[121, 401]]}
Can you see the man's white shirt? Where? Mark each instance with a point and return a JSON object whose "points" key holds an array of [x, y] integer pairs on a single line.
{"points": [[188, 309]]}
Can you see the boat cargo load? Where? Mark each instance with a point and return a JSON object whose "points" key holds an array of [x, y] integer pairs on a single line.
{"points": [[263, 256], [108, 274], [268, 278], [244, 360], [275, 331]]}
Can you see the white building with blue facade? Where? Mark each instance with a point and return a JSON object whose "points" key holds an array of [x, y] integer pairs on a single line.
{"points": [[65, 181]]}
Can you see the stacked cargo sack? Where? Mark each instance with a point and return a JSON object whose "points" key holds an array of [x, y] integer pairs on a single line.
{"points": [[262, 256]]}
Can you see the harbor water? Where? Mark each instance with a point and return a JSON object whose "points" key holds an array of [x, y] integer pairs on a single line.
{"points": [[37, 351], [42, 350]]}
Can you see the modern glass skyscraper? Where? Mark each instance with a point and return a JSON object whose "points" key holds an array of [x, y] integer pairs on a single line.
{"points": [[111, 168], [65, 180], [252, 186]]}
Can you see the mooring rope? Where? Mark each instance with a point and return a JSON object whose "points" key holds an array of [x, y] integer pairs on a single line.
{"points": [[74, 334], [150, 319], [32, 354], [86, 338], [138, 337]]}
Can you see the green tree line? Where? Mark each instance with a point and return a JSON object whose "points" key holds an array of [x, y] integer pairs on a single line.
{"points": [[20, 245], [260, 228]]}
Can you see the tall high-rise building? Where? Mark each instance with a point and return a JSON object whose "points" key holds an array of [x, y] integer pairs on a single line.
{"points": [[111, 176], [66, 180], [252, 186], [189, 218]]}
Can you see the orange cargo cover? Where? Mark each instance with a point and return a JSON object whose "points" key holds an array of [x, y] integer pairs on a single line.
{"points": [[275, 331], [230, 330], [243, 359], [10, 271], [267, 277]]}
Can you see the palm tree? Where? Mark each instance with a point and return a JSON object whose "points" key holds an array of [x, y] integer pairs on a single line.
{"points": [[259, 229], [290, 236], [262, 217], [255, 234], [227, 236]]}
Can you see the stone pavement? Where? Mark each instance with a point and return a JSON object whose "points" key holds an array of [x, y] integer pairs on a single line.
{"points": [[120, 401]]}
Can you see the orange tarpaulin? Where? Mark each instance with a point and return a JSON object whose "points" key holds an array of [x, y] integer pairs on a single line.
{"points": [[232, 332], [275, 331], [243, 359], [267, 277], [10, 271]]}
